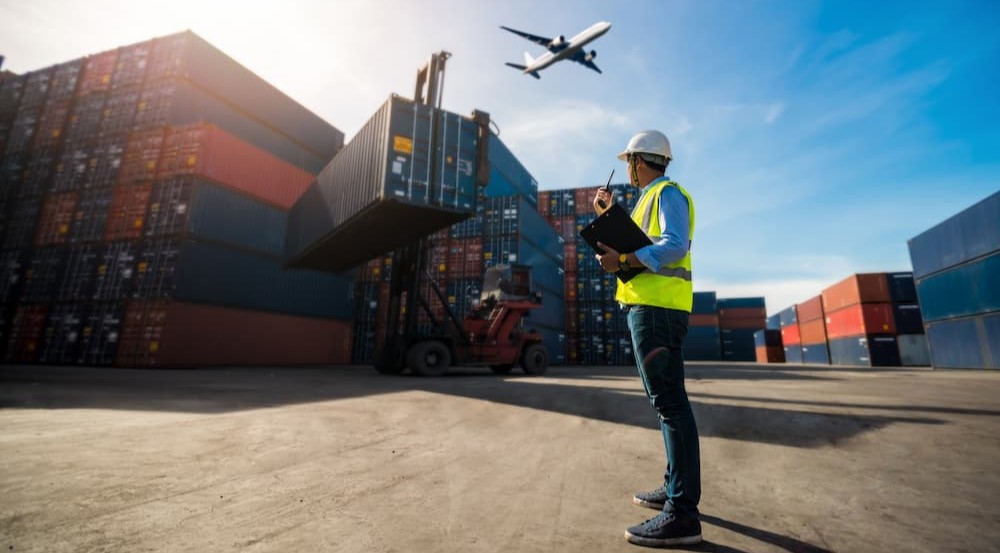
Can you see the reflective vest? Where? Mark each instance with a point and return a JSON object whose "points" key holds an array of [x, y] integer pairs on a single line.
{"points": [[670, 287]]}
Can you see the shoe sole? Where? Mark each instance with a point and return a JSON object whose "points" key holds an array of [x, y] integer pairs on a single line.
{"points": [[661, 542], [650, 504]]}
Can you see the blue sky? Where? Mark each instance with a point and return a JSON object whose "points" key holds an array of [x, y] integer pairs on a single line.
{"points": [[815, 137]]}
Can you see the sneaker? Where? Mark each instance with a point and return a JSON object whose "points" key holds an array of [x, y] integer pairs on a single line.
{"points": [[655, 499], [664, 530]]}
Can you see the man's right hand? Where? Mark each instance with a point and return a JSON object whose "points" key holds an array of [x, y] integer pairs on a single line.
{"points": [[602, 196]]}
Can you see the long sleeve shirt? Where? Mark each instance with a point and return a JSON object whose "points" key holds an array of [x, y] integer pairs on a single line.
{"points": [[675, 238]]}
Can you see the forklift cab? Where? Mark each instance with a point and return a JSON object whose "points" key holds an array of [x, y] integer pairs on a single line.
{"points": [[508, 283]]}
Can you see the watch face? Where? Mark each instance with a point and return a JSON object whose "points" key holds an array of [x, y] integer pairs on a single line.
{"points": [[622, 258]]}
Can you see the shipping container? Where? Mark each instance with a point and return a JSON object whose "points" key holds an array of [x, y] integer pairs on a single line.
{"points": [[966, 342], [64, 82], [99, 337], [13, 264], [116, 271], [130, 69], [71, 170], [790, 335], [51, 128], [812, 332], [857, 288], [507, 176], [79, 277], [902, 288], [465, 258], [24, 339], [871, 350], [120, 109], [96, 74], [913, 350], [62, 334], [173, 334], [701, 319], [191, 206], [788, 316], [705, 303], [767, 338], [201, 272], [212, 153], [810, 310], [105, 162], [141, 160], [39, 172], [22, 129], [21, 223], [815, 354], [394, 182], [793, 353], [773, 322], [858, 319], [907, 318], [703, 343], [91, 217], [967, 289], [770, 354], [970, 234], [44, 273], [55, 219], [755, 303], [127, 214]]}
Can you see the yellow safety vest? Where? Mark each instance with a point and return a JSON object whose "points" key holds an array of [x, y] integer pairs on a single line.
{"points": [[670, 287]]}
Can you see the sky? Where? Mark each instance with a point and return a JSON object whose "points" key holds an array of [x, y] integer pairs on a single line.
{"points": [[815, 138]]}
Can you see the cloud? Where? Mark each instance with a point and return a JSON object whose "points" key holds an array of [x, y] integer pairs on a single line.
{"points": [[772, 112]]}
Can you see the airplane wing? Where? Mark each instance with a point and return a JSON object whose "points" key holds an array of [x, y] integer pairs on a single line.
{"points": [[533, 38], [581, 57]]}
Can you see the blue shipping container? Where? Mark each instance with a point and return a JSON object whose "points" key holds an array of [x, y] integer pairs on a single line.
{"points": [[907, 318], [742, 303], [705, 303], [507, 176], [788, 317], [965, 343], [971, 233], [767, 337], [873, 350], [967, 289], [902, 288], [815, 354], [793, 354]]}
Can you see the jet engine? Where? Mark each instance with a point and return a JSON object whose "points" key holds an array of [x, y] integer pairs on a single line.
{"points": [[557, 42], [590, 56]]}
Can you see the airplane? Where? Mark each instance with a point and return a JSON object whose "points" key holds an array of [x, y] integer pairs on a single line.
{"points": [[560, 49]]}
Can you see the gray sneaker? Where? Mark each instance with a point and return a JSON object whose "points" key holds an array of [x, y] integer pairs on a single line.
{"points": [[655, 499], [665, 530]]}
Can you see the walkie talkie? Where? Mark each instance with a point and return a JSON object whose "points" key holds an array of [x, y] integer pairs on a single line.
{"points": [[606, 188]]}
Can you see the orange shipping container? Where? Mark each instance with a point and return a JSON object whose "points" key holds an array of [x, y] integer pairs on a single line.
{"points": [[810, 310], [813, 332], [745, 324], [171, 334], [208, 151], [142, 156], [96, 74], [790, 335], [701, 319], [127, 214], [859, 288], [856, 320], [770, 354], [55, 219], [742, 313]]}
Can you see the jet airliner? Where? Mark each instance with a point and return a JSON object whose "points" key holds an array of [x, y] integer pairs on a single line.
{"points": [[561, 49]]}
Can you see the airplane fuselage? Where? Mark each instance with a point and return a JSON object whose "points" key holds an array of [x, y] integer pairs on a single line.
{"points": [[571, 47]]}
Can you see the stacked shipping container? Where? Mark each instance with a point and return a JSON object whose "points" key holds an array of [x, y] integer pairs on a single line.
{"points": [[145, 192], [812, 332], [957, 268], [739, 319], [704, 337], [859, 322]]}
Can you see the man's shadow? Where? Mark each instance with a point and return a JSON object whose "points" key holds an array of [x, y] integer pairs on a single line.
{"points": [[791, 545]]}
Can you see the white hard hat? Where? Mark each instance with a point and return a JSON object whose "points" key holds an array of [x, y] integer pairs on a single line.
{"points": [[648, 142]]}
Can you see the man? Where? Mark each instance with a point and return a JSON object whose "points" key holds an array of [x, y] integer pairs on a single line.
{"points": [[658, 302]]}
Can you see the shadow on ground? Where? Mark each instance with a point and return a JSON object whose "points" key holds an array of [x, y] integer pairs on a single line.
{"points": [[573, 391]]}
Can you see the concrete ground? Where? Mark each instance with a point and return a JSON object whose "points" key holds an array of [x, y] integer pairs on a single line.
{"points": [[343, 459]]}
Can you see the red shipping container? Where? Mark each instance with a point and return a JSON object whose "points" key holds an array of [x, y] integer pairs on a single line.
{"points": [[543, 202], [127, 215], [51, 125], [813, 332], [173, 334], [27, 329], [865, 318], [583, 199], [810, 310], [730, 313], [770, 354], [96, 74], [569, 287], [55, 219], [703, 319], [566, 227], [217, 155], [746, 324], [569, 256], [859, 288], [790, 335], [142, 156]]}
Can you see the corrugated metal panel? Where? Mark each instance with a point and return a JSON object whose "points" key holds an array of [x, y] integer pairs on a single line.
{"points": [[913, 350], [116, 271], [44, 273], [967, 289], [26, 333], [91, 217], [210, 152], [790, 335], [815, 354], [793, 353], [770, 354], [810, 310], [965, 343], [741, 303], [188, 55], [172, 334], [902, 288], [773, 322], [788, 316], [813, 332], [908, 318], [127, 214], [191, 206], [99, 338], [13, 264], [375, 195], [39, 171], [21, 223], [858, 288], [97, 71], [865, 351], [705, 302], [200, 272], [866, 318], [52, 125], [767, 338], [78, 280], [55, 219], [141, 160], [508, 177], [120, 111], [969, 234], [63, 332]]}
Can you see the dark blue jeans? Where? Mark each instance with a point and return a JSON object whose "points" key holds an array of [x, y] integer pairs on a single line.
{"points": [[657, 337]]}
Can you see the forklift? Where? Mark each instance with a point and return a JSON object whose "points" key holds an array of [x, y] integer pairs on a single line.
{"points": [[493, 334]]}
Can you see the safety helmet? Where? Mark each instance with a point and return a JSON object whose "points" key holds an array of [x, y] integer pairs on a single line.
{"points": [[653, 143]]}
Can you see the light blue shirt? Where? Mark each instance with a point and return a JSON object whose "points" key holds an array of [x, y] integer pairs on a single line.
{"points": [[675, 239]]}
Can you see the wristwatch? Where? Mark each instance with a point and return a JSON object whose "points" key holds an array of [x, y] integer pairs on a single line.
{"points": [[623, 262]]}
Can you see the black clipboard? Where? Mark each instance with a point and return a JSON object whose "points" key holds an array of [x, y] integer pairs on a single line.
{"points": [[616, 228]]}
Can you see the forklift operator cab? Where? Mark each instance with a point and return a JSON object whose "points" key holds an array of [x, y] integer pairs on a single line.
{"points": [[508, 283]]}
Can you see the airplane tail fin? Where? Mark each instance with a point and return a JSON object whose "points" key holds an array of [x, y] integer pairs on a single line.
{"points": [[528, 60], [523, 67]]}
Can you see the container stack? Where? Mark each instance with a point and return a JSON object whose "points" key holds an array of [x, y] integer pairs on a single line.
{"points": [[812, 332], [910, 337], [956, 265], [145, 192], [504, 229], [704, 337], [596, 329], [860, 324], [791, 338], [768, 346], [739, 319]]}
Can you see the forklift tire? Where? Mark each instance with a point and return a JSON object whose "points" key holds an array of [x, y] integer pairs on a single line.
{"points": [[429, 358], [501, 369], [535, 360]]}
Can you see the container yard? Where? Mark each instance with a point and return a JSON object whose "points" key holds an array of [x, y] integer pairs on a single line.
{"points": [[229, 321]]}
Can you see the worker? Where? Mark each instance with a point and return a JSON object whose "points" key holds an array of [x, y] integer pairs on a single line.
{"points": [[658, 304]]}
